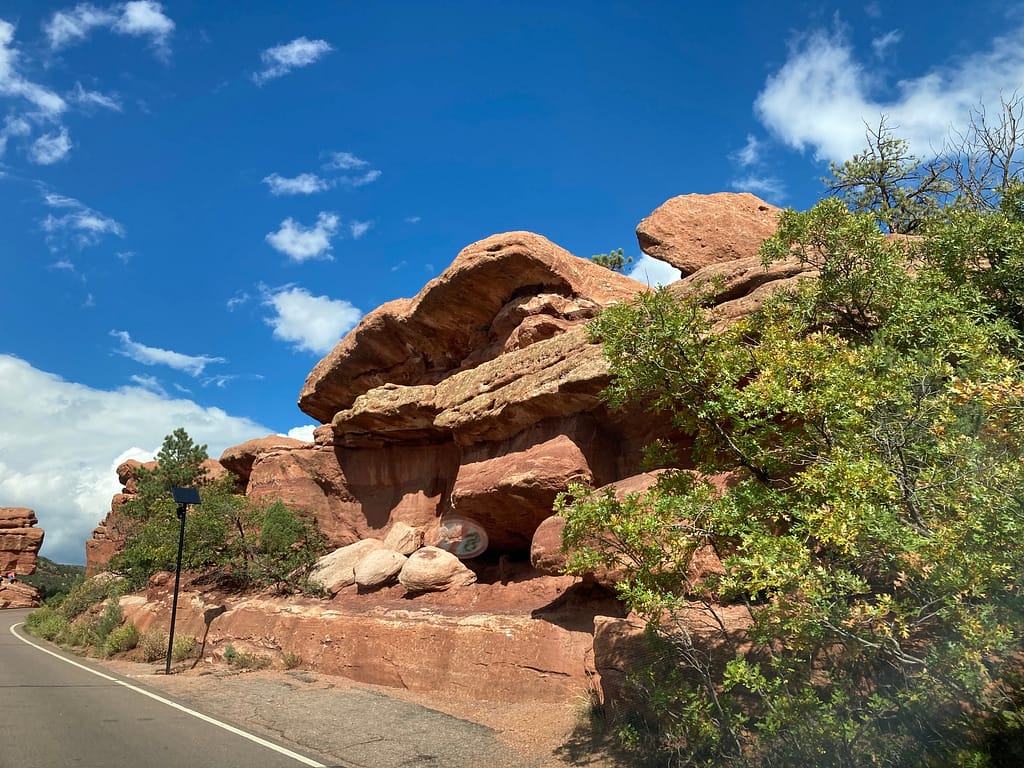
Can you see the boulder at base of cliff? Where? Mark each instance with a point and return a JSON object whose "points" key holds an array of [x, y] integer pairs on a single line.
{"points": [[378, 568], [431, 569], [336, 570], [18, 595]]}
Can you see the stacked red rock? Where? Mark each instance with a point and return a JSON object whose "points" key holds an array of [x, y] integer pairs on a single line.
{"points": [[20, 541]]}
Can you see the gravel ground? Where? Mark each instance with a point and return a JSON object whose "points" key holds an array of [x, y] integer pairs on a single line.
{"points": [[354, 725]]}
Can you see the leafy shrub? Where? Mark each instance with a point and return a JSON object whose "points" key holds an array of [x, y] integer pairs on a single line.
{"points": [[124, 638], [153, 645], [244, 660], [291, 660], [184, 647], [46, 623]]}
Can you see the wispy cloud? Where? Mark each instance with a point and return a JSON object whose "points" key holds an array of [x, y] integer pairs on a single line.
{"points": [[83, 225], [138, 18], [653, 272], [768, 187], [282, 59], [882, 44], [301, 243], [303, 184], [359, 228], [750, 153], [140, 353], [14, 84], [823, 95], [94, 99], [50, 148], [346, 161], [310, 323]]}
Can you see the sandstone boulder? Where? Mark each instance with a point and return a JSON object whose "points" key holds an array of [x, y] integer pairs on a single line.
{"points": [[546, 547], [240, 458], [419, 341], [336, 570], [378, 567], [509, 495], [403, 538], [18, 595], [432, 569], [20, 540], [693, 231]]}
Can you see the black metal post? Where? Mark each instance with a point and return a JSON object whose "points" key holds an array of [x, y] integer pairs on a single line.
{"points": [[177, 582]]}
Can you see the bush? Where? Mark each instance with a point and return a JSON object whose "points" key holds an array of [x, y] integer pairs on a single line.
{"points": [[46, 623], [184, 647], [246, 660], [124, 638], [153, 645], [291, 660]]}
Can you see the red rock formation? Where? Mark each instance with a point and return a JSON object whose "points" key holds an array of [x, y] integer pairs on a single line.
{"points": [[693, 231], [20, 540]]}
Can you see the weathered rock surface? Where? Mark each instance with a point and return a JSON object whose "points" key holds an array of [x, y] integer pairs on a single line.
{"points": [[336, 570], [423, 340], [478, 398], [240, 458], [431, 569], [378, 568], [20, 540], [693, 231], [18, 595]]}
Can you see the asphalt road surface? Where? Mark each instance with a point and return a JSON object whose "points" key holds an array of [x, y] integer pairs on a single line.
{"points": [[57, 710]]}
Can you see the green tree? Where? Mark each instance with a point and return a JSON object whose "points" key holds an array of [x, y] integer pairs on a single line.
{"points": [[614, 260], [888, 181], [870, 606]]}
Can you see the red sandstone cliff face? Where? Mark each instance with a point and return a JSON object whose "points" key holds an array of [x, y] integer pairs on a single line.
{"points": [[480, 399], [20, 541]]}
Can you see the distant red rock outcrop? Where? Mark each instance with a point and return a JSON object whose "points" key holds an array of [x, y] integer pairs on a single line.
{"points": [[20, 541]]}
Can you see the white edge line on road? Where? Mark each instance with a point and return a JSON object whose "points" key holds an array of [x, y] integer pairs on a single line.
{"points": [[198, 715]]}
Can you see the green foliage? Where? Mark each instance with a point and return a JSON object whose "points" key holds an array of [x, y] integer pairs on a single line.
{"points": [[871, 604], [184, 647], [153, 645], [291, 660], [54, 580], [244, 660], [228, 538], [887, 181], [46, 623], [614, 260], [121, 640]]}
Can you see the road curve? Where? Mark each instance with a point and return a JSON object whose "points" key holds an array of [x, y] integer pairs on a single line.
{"points": [[57, 710]]}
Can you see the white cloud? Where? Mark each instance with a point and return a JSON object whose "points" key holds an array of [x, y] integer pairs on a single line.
{"points": [[413, 219], [653, 272], [84, 226], [823, 97], [140, 353], [344, 161], [138, 18], [50, 148], [751, 152], [61, 443], [767, 187], [311, 323], [13, 84], [301, 243], [303, 184], [94, 99], [360, 181], [282, 59], [359, 228], [304, 432], [886, 41]]}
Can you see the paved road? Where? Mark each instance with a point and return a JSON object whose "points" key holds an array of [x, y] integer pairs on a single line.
{"points": [[54, 714]]}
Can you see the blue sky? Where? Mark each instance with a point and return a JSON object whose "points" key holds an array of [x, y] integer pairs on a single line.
{"points": [[200, 198]]}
